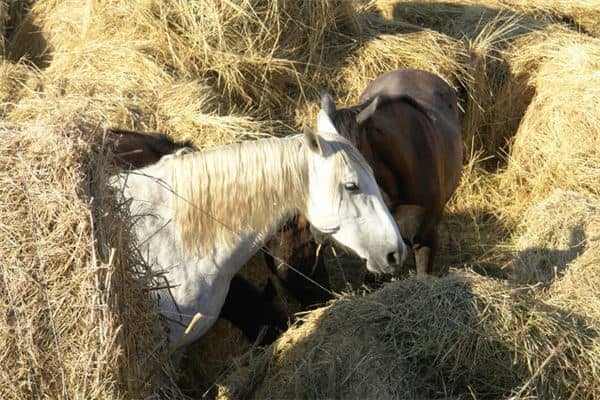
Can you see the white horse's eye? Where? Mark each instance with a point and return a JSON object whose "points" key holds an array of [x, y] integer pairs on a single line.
{"points": [[351, 186]]}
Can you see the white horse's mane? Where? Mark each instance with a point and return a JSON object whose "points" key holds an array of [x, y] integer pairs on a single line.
{"points": [[225, 192]]}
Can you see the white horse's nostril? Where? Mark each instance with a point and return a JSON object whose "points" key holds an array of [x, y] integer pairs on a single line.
{"points": [[393, 258]]}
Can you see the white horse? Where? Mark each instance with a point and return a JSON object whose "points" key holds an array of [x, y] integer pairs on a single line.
{"points": [[202, 215]]}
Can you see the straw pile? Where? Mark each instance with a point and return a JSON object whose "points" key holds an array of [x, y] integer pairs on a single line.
{"points": [[462, 336], [75, 319], [63, 332]]}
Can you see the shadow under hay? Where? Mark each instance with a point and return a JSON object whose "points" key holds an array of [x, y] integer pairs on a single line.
{"points": [[478, 240], [545, 265], [28, 42]]}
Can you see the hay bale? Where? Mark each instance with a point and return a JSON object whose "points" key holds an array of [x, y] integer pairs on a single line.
{"points": [[112, 83], [553, 233], [558, 149], [70, 302], [578, 290], [253, 54], [558, 141], [456, 337], [427, 50], [581, 15]]}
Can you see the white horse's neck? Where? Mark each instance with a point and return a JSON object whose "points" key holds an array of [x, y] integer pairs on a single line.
{"points": [[203, 215]]}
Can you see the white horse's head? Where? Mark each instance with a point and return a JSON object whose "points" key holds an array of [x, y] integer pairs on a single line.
{"points": [[344, 200]]}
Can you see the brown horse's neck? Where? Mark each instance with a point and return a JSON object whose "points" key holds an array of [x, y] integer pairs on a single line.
{"points": [[345, 122], [393, 151]]}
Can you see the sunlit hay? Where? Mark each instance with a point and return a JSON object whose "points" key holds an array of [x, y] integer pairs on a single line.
{"points": [[117, 86], [425, 50], [460, 336], [558, 141], [259, 53], [579, 288], [552, 234], [495, 102], [14, 80], [580, 15], [455, 18], [255, 54], [69, 294], [480, 227]]}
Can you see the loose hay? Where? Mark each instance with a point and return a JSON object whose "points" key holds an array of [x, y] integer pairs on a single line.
{"points": [[463, 336], [582, 15], [558, 141]]}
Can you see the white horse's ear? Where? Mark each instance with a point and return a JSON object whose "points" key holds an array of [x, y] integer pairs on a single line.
{"points": [[325, 124], [312, 140], [328, 105]]}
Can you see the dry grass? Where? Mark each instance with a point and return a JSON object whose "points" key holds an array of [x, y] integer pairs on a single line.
{"points": [[75, 318], [558, 142], [552, 234], [63, 283], [463, 336], [254, 54], [581, 15]]}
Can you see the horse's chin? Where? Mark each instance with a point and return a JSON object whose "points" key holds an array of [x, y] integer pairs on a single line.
{"points": [[378, 269]]}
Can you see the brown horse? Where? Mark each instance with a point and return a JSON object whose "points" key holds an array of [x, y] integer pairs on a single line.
{"points": [[407, 128], [131, 149]]}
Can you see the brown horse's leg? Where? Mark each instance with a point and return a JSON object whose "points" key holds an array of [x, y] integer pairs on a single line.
{"points": [[425, 251]]}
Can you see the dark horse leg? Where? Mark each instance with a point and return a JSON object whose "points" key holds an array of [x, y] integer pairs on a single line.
{"points": [[251, 310], [424, 249]]}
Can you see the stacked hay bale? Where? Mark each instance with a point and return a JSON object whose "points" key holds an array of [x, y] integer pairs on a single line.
{"points": [[66, 275]]}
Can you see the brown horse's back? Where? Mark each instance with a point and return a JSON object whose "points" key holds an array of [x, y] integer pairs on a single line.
{"points": [[427, 89], [138, 149], [438, 100]]}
